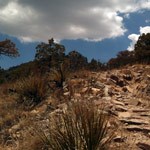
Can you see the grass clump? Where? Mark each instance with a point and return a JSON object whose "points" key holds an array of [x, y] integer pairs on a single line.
{"points": [[31, 91], [80, 127]]}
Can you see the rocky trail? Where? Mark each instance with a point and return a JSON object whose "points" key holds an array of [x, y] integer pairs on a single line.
{"points": [[134, 124], [126, 95]]}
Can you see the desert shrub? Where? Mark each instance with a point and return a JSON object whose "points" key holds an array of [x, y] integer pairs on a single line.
{"points": [[31, 91], [80, 127], [58, 75]]}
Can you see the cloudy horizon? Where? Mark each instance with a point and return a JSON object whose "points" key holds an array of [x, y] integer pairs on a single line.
{"points": [[91, 21]]}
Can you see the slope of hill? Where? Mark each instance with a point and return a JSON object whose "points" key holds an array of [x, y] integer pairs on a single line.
{"points": [[124, 93]]}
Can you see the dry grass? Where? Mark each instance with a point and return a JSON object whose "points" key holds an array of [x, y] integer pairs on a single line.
{"points": [[31, 91], [10, 116]]}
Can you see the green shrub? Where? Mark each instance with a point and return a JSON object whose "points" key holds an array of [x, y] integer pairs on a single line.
{"points": [[31, 91], [81, 127]]}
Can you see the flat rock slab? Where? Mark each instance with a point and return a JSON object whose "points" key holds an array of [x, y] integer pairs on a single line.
{"points": [[119, 139], [118, 102], [134, 121], [145, 129], [120, 108], [124, 114]]}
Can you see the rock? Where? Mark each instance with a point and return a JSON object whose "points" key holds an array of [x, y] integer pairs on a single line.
{"points": [[128, 77], [106, 98], [143, 146], [124, 114], [134, 121], [121, 83], [139, 103], [119, 139], [140, 110], [118, 102], [138, 128], [130, 89], [98, 84], [106, 89], [124, 89], [148, 77], [119, 96], [127, 74], [120, 108], [114, 78], [138, 79], [84, 90], [34, 112], [14, 128], [66, 93], [140, 71], [98, 102], [77, 95], [95, 91]]}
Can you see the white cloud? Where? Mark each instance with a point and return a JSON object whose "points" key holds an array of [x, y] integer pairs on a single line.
{"points": [[91, 20], [134, 37], [145, 29]]}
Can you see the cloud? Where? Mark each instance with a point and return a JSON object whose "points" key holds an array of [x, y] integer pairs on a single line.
{"points": [[36, 20], [145, 29], [134, 37]]}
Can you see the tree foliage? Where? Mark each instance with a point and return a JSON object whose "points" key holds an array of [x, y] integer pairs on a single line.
{"points": [[8, 48], [49, 54], [123, 58], [77, 61], [142, 48], [95, 65]]}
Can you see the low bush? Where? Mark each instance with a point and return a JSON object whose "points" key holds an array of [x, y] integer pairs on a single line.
{"points": [[58, 76], [31, 91]]}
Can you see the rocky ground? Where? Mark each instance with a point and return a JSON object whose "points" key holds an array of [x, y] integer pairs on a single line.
{"points": [[125, 94]]}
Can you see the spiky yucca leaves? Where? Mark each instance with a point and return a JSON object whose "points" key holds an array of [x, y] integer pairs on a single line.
{"points": [[91, 126], [81, 127], [31, 91]]}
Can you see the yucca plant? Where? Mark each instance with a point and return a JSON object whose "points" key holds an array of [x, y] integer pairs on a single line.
{"points": [[81, 127], [31, 90], [91, 126]]}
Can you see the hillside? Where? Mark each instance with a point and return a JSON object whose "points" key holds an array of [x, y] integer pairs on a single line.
{"points": [[123, 93]]}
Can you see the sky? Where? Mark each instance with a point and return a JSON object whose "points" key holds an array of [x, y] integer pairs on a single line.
{"points": [[96, 28]]}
